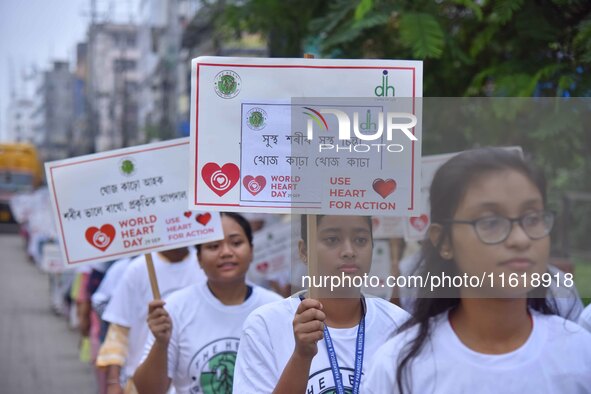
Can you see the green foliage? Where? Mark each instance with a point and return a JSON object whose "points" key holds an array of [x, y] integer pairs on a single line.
{"points": [[503, 10], [469, 48], [284, 23], [582, 41], [363, 8], [423, 34]]}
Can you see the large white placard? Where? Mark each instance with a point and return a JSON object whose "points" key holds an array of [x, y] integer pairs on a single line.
{"points": [[126, 202], [267, 135]]}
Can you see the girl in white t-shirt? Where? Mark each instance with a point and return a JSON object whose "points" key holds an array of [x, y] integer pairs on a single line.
{"points": [[302, 345], [195, 338], [490, 223]]}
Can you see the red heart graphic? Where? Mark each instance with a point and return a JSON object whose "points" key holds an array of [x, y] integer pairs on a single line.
{"points": [[419, 222], [188, 214], [100, 239], [384, 187], [220, 179], [203, 218], [254, 185], [262, 267]]}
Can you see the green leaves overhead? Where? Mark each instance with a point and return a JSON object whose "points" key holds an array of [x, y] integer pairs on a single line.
{"points": [[503, 10], [582, 40], [363, 8], [423, 34], [470, 48]]}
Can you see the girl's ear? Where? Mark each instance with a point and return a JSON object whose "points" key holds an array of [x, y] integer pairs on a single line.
{"points": [[302, 251], [435, 233]]}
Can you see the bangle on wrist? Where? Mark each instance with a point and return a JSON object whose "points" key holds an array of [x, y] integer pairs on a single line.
{"points": [[113, 381]]}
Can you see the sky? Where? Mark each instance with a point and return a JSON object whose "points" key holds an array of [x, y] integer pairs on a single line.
{"points": [[37, 32]]}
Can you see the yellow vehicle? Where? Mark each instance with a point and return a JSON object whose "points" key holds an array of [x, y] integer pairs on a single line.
{"points": [[20, 172]]}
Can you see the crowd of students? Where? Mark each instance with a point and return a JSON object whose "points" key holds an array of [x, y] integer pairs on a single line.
{"points": [[216, 332]]}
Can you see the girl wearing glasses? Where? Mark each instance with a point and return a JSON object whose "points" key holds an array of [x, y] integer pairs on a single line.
{"points": [[490, 222]]}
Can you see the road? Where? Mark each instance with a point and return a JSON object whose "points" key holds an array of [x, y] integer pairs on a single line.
{"points": [[38, 350]]}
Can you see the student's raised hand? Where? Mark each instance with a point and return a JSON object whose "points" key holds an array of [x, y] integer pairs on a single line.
{"points": [[159, 322], [308, 325]]}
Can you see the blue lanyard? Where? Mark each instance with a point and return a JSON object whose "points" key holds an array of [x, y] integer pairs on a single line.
{"points": [[359, 347]]}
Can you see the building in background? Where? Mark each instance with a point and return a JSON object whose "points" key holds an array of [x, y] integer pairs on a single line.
{"points": [[81, 141], [53, 112], [112, 85], [19, 122], [163, 100], [201, 38], [131, 83], [19, 125]]}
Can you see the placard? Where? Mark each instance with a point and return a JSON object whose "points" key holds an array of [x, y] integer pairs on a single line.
{"points": [[306, 136], [126, 202]]}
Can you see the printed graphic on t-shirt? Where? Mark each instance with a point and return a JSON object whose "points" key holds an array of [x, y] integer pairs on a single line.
{"points": [[212, 367], [322, 382]]}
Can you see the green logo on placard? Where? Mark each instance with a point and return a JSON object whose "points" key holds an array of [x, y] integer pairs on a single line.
{"points": [[385, 89], [227, 84], [256, 119], [127, 166]]}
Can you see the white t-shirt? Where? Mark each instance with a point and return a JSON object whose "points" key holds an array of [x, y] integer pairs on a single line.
{"points": [[128, 306], [267, 344], [585, 318], [205, 336], [556, 358], [102, 295]]}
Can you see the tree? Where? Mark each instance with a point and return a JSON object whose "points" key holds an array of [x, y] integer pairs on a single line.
{"points": [[469, 48]]}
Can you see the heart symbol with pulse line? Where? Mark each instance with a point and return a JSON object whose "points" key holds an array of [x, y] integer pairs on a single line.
{"points": [[384, 187], [220, 179], [419, 222], [203, 218], [100, 238], [254, 185]]}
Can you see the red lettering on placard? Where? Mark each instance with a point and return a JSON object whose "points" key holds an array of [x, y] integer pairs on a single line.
{"points": [[340, 181], [358, 193]]}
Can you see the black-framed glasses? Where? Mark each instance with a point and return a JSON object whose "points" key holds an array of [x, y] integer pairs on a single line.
{"points": [[496, 229]]}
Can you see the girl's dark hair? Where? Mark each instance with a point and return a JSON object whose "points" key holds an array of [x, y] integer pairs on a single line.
{"points": [[242, 222], [304, 226], [447, 191]]}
